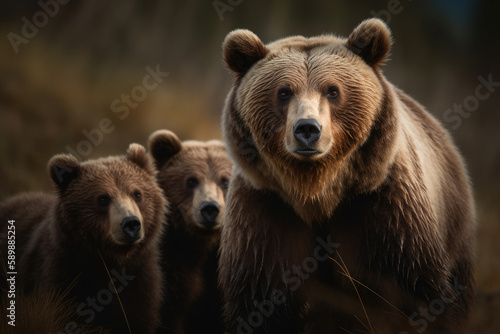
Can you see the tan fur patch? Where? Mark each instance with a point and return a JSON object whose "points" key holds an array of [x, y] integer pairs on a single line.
{"points": [[207, 191], [120, 208]]}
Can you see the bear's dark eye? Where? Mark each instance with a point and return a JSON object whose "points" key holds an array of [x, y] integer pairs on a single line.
{"points": [[284, 93], [137, 196], [192, 183], [333, 92], [103, 200], [224, 182]]}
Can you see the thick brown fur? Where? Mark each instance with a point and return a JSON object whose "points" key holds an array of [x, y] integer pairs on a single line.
{"points": [[43, 312], [386, 191], [61, 238], [192, 300]]}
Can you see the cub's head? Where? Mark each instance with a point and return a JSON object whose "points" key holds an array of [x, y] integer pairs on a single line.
{"points": [[194, 176], [110, 204], [301, 106]]}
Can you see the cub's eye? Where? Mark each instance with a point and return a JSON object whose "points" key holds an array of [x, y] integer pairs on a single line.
{"points": [[137, 196], [284, 93], [192, 183], [333, 92], [103, 200], [224, 182]]}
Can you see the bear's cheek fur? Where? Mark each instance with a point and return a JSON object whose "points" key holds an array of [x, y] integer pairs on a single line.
{"points": [[81, 219], [151, 211], [258, 104], [359, 104], [264, 118]]}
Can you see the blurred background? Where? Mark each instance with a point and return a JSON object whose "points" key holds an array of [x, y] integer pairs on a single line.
{"points": [[65, 66]]}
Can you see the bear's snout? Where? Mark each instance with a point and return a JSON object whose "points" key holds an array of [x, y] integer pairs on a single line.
{"points": [[131, 226], [209, 210], [307, 132]]}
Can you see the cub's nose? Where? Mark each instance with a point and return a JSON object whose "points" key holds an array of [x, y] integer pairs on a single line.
{"points": [[131, 226], [209, 210], [307, 131]]}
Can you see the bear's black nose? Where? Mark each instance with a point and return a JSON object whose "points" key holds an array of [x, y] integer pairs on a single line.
{"points": [[209, 210], [131, 225], [307, 131]]}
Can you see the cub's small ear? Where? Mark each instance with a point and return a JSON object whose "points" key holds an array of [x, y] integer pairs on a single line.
{"points": [[241, 49], [137, 154], [371, 40], [63, 168], [163, 145]]}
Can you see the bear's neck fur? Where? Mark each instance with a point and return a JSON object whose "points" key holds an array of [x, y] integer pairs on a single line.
{"points": [[185, 247], [315, 190]]}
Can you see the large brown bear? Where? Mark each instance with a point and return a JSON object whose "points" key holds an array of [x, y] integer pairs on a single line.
{"points": [[194, 176], [350, 210], [97, 237]]}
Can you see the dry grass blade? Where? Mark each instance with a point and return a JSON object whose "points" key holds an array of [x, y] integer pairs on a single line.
{"points": [[117, 295], [376, 294], [346, 272]]}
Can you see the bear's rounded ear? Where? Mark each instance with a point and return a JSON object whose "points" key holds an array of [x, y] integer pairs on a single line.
{"points": [[137, 154], [63, 168], [371, 40], [163, 145], [241, 49]]}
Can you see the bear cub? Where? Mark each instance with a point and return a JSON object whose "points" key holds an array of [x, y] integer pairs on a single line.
{"points": [[194, 176], [97, 236]]}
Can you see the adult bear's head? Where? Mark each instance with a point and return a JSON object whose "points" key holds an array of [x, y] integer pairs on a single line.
{"points": [[301, 108]]}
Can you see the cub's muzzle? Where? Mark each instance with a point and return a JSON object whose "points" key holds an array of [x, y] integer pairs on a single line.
{"points": [[131, 226]]}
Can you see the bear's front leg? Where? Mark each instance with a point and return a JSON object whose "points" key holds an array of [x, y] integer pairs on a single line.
{"points": [[263, 250]]}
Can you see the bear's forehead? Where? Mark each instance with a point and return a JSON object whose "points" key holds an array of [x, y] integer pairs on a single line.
{"points": [[117, 170], [201, 158], [203, 154], [300, 55], [109, 163], [303, 44]]}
